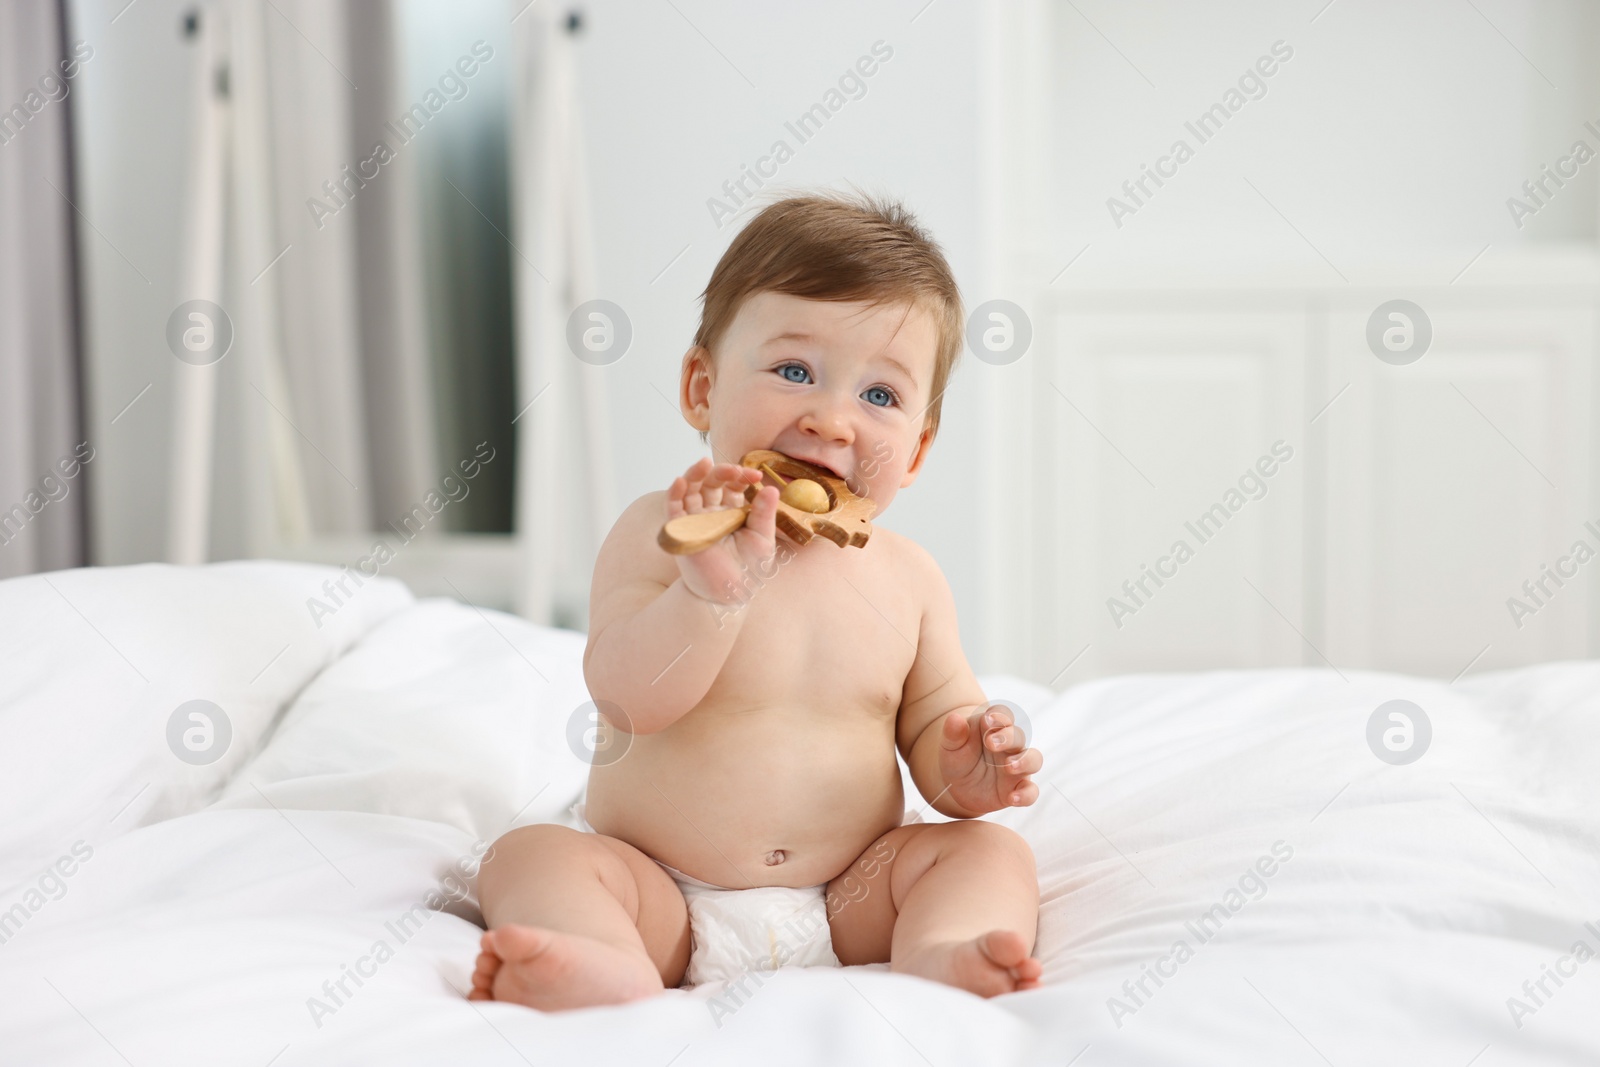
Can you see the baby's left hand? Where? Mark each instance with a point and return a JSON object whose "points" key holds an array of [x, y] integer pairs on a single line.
{"points": [[983, 762]]}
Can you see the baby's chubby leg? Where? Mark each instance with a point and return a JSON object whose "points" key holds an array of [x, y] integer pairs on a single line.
{"points": [[956, 902], [576, 920]]}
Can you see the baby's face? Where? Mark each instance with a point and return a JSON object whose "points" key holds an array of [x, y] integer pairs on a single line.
{"points": [[843, 386]]}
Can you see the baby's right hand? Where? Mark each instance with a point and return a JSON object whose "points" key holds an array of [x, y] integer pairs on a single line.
{"points": [[718, 573]]}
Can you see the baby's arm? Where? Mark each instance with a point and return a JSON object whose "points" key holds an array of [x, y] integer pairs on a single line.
{"points": [[655, 647], [963, 764]]}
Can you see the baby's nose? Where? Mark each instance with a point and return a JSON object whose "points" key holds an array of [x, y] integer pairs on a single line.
{"points": [[829, 419]]}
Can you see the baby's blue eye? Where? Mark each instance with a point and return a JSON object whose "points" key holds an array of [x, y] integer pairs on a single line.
{"points": [[784, 370], [879, 391]]}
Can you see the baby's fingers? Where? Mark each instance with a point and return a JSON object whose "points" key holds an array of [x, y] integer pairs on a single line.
{"points": [[1028, 762], [1004, 739], [731, 474], [1001, 733], [1023, 793], [683, 495], [704, 490], [757, 538], [676, 494], [724, 485], [997, 715], [763, 519], [957, 733]]}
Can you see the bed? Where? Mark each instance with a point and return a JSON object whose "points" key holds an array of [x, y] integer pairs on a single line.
{"points": [[281, 883]]}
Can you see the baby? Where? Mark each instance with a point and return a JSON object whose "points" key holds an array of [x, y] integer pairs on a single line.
{"points": [[762, 688]]}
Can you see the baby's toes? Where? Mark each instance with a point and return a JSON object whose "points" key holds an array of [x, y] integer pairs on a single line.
{"points": [[1028, 970], [1004, 947], [483, 973], [516, 943]]}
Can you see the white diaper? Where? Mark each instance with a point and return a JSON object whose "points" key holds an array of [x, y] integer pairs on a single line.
{"points": [[736, 931]]}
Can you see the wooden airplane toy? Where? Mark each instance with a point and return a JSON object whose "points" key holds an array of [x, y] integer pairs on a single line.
{"points": [[814, 502]]}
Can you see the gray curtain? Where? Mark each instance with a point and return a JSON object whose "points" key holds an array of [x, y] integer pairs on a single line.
{"points": [[43, 445], [401, 414], [352, 303]]}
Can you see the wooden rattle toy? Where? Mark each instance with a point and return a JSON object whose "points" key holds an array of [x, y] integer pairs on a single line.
{"points": [[814, 501]]}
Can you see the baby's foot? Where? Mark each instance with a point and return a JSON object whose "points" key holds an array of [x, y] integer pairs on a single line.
{"points": [[988, 965], [553, 971]]}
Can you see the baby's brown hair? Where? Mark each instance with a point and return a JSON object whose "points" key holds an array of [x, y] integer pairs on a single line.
{"points": [[845, 249]]}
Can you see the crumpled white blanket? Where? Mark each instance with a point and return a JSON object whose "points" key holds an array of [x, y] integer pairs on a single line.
{"points": [[1228, 874]]}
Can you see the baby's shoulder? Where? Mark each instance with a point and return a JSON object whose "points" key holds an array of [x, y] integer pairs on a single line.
{"points": [[652, 504], [625, 551], [646, 513], [912, 562]]}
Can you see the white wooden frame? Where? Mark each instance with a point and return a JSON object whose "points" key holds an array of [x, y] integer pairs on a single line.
{"points": [[551, 229], [200, 277]]}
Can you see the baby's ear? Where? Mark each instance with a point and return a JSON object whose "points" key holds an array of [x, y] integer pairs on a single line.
{"points": [[694, 389], [924, 442]]}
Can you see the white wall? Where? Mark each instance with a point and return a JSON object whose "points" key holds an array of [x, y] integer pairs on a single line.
{"points": [[1396, 130], [669, 120]]}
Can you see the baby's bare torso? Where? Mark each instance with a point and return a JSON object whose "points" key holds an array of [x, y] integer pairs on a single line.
{"points": [[790, 757]]}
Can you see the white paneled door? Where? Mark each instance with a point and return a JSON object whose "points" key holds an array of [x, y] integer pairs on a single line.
{"points": [[1170, 446], [1238, 479], [1454, 480]]}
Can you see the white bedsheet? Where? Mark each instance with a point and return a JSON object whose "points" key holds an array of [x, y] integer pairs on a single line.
{"points": [[207, 906]]}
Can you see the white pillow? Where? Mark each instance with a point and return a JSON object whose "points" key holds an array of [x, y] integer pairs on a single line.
{"points": [[445, 712], [98, 662]]}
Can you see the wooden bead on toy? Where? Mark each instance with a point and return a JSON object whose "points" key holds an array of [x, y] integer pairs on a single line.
{"points": [[807, 495]]}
